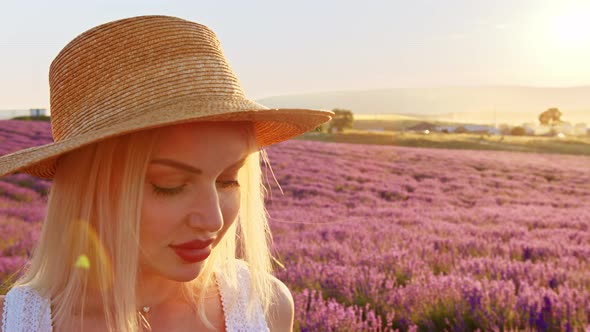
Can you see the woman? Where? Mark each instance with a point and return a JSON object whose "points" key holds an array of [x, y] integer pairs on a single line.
{"points": [[155, 218]]}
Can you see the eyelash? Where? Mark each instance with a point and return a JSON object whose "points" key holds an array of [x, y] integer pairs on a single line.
{"points": [[177, 190]]}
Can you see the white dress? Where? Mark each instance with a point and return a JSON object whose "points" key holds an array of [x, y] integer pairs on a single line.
{"points": [[26, 311]]}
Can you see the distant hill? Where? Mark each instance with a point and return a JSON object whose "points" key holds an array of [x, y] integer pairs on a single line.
{"points": [[458, 104]]}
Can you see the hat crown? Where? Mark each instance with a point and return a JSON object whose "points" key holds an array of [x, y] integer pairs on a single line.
{"points": [[114, 72], [141, 73]]}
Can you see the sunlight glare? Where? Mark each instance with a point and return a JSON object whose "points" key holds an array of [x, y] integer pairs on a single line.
{"points": [[558, 43], [571, 28]]}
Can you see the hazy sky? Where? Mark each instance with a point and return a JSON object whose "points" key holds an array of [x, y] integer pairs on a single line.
{"points": [[287, 47]]}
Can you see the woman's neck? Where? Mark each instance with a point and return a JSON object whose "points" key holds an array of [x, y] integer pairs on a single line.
{"points": [[151, 291], [155, 291]]}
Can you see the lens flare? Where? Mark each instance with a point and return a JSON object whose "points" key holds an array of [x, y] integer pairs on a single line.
{"points": [[83, 262], [92, 257]]}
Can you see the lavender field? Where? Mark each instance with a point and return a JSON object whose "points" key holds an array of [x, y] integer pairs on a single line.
{"points": [[378, 238]]}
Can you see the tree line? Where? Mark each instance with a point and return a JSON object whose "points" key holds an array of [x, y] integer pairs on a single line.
{"points": [[341, 120]]}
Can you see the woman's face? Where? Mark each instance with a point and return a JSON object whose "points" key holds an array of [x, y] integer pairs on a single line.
{"points": [[191, 195]]}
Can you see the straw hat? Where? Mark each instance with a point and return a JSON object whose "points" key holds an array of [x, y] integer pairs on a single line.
{"points": [[146, 72]]}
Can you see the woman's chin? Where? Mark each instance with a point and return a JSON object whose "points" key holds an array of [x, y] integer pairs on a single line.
{"points": [[186, 273], [179, 270]]}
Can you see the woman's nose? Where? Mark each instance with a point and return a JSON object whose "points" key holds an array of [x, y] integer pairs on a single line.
{"points": [[206, 213]]}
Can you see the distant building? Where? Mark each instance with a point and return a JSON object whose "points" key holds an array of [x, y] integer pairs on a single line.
{"points": [[38, 112], [482, 129], [580, 129], [476, 129], [565, 128], [422, 126]]}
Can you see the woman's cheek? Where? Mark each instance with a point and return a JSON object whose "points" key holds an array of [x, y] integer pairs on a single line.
{"points": [[156, 217]]}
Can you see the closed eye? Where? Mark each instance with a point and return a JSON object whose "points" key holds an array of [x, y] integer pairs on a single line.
{"points": [[167, 191], [163, 191]]}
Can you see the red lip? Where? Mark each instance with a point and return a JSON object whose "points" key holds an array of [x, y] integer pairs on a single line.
{"points": [[193, 255], [193, 251], [195, 244]]}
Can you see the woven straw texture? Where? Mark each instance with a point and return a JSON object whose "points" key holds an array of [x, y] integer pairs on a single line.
{"points": [[141, 73]]}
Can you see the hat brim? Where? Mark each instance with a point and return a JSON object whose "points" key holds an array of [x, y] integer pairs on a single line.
{"points": [[270, 125]]}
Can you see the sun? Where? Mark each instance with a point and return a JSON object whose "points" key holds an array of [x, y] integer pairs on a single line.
{"points": [[571, 27], [556, 43]]}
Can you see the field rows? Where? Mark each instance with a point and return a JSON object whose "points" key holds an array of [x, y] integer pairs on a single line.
{"points": [[379, 238]]}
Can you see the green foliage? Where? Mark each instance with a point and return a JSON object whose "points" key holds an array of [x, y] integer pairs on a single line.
{"points": [[321, 128], [551, 116], [439, 268], [7, 280], [342, 119], [437, 316], [518, 131], [402, 278], [32, 118]]}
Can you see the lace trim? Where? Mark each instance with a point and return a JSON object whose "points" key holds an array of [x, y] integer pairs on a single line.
{"points": [[235, 303], [25, 310], [4, 314], [223, 305]]}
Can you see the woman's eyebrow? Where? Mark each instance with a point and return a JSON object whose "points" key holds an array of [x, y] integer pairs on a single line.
{"points": [[189, 168]]}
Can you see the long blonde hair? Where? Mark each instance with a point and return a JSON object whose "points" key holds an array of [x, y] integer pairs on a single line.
{"points": [[90, 236]]}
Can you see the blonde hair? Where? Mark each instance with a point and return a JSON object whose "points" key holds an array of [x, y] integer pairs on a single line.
{"points": [[95, 205]]}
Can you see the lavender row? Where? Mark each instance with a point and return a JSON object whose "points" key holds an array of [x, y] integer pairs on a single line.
{"points": [[434, 239]]}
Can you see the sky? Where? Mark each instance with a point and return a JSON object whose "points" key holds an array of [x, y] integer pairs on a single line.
{"points": [[279, 47]]}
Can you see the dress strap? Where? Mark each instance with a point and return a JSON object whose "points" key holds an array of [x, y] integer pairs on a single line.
{"points": [[25, 311], [235, 303]]}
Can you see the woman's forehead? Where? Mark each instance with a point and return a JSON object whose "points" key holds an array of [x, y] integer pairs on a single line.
{"points": [[230, 137], [211, 130]]}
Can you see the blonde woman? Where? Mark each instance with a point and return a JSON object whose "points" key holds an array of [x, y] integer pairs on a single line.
{"points": [[155, 219]]}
